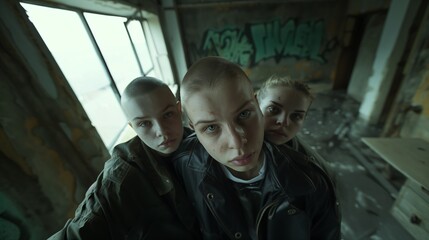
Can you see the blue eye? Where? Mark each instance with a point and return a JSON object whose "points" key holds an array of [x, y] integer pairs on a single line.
{"points": [[273, 110], [297, 117], [168, 114], [210, 129], [144, 124], [244, 115]]}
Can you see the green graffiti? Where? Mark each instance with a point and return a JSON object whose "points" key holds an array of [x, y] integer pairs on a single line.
{"points": [[269, 40], [231, 44], [273, 40]]}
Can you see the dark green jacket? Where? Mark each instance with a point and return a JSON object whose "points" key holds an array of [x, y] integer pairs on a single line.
{"points": [[136, 196]]}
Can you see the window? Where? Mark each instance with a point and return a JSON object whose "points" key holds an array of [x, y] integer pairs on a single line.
{"points": [[98, 55]]}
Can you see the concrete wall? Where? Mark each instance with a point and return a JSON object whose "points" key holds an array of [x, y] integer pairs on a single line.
{"points": [[410, 118], [417, 124], [49, 152], [393, 41], [366, 6], [298, 38], [365, 59], [173, 34]]}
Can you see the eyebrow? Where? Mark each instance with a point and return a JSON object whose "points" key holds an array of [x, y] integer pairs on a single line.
{"points": [[144, 117], [238, 109], [297, 110], [276, 103]]}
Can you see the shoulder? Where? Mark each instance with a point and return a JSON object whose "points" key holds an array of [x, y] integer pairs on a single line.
{"points": [[187, 131], [128, 149], [284, 155], [122, 164], [191, 154], [302, 160], [314, 158], [188, 144], [294, 169]]}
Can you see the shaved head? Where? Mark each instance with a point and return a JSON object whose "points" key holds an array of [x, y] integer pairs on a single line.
{"points": [[219, 101], [139, 88], [207, 72], [141, 85], [154, 113]]}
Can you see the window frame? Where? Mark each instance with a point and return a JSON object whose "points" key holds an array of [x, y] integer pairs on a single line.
{"points": [[137, 15]]}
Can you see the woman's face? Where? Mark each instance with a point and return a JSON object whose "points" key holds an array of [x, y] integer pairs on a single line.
{"points": [[284, 109]]}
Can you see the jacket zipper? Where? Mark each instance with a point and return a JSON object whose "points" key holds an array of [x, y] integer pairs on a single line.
{"points": [[261, 213]]}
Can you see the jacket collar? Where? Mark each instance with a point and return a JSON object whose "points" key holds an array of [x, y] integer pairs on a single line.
{"points": [[292, 169], [287, 170], [147, 161]]}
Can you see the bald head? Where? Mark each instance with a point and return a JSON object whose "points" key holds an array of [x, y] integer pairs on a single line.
{"points": [[142, 91], [141, 86], [208, 72], [154, 114]]}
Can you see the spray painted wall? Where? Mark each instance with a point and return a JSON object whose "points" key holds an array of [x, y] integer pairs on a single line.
{"points": [[297, 39]]}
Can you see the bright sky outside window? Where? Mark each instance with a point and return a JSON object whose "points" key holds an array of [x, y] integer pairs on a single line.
{"points": [[136, 32], [112, 38], [162, 60], [152, 46], [65, 36]]}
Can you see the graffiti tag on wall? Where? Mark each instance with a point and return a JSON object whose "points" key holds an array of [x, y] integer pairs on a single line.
{"points": [[231, 44], [270, 40]]}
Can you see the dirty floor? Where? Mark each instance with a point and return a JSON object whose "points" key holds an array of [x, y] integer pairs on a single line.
{"points": [[365, 191]]}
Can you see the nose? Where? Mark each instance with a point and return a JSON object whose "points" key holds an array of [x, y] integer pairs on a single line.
{"points": [[283, 120], [236, 137], [159, 129]]}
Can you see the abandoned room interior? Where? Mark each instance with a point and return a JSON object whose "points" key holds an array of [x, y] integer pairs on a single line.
{"points": [[64, 64]]}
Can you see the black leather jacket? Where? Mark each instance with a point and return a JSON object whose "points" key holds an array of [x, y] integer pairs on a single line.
{"points": [[299, 145], [297, 200]]}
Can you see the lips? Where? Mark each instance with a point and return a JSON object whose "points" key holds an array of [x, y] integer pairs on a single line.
{"points": [[242, 159], [167, 143], [277, 133]]}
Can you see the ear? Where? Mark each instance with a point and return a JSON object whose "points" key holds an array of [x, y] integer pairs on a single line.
{"points": [[255, 95], [308, 108], [179, 106], [191, 126]]}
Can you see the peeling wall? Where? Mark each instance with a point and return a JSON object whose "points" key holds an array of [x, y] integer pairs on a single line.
{"points": [[410, 115], [416, 124], [50, 152], [421, 98]]}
